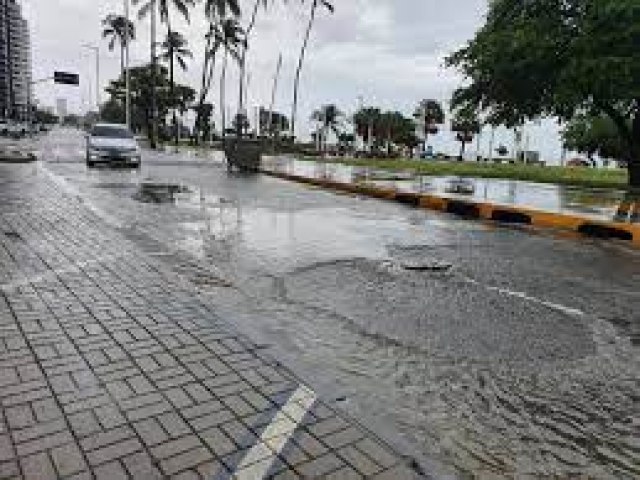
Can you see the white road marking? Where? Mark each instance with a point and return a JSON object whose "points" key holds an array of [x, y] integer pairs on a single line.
{"points": [[259, 459], [511, 293]]}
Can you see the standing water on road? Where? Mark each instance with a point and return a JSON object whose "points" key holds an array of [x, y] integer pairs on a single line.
{"points": [[516, 358], [595, 203]]}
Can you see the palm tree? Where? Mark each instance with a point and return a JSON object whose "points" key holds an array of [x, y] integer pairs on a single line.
{"points": [[232, 39], [175, 47], [218, 8], [303, 51], [330, 118], [429, 115], [215, 13], [163, 7], [118, 29]]}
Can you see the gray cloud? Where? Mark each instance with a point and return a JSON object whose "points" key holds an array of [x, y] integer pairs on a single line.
{"points": [[388, 51]]}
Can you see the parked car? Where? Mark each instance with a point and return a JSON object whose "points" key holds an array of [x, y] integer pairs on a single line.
{"points": [[17, 129], [112, 144], [4, 128]]}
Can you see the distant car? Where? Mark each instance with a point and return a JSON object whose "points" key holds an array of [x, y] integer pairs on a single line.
{"points": [[579, 162], [4, 128], [17, 129], [112, 144]]}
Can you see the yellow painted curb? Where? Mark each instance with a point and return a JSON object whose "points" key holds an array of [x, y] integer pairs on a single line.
{"points": [[482, 210]]}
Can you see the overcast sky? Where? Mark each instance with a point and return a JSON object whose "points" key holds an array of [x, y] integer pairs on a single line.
{"points": [[389, 52]]}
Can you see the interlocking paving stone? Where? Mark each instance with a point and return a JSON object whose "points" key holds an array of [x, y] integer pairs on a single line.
{"points": [[113, 366]]}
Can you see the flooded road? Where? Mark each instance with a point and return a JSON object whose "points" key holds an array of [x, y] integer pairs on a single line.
{"points": [[594, 203], [509, 354]]}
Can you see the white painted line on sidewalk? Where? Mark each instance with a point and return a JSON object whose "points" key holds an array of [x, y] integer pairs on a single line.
{"points": [[255, 465]]}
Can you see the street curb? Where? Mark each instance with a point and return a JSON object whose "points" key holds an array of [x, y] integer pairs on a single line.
{"points": [[506, 214]]}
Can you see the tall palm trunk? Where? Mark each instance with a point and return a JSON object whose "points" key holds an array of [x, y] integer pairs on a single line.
{"points": [[172, 84], [223, 112], [122, 49], [303, 51], [205, 85], [243, 56], [154, 72]]}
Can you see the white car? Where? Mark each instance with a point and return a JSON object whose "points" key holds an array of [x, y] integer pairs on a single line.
{"points": [[112, 144]]}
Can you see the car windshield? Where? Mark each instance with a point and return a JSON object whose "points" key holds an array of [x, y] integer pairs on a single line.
{"points": [[105, 131]]}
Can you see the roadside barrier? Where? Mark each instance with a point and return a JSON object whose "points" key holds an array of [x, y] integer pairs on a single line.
{"points": [[506, 214]]}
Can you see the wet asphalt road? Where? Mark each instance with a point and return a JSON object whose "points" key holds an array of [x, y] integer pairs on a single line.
{"points": [[521, 360]]}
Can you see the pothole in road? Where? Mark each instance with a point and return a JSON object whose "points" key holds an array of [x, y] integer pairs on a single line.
{"points": [[159, 192]]}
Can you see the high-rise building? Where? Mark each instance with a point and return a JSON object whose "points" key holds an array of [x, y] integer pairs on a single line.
{"points": [[61, 107], [15, 61]]}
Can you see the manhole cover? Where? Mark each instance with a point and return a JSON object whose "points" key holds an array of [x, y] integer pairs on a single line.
{"points": [[13, 235], [206, 280], [426, 266]]}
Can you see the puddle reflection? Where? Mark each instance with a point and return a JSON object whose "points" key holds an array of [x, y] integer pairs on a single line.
{"points": [[599, 204]]}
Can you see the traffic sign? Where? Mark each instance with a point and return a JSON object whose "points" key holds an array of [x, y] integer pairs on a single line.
{"points": [[66, 78]]}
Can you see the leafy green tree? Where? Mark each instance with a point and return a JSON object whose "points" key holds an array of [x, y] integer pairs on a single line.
{"points": [[466, 125], [397, 130], [368, 123], [296, 83], [557, 58], [44, 117], [594, 136], [429, 115], [113, 111], [388, 129], [203, 124], [142, 92], [118, 29]]}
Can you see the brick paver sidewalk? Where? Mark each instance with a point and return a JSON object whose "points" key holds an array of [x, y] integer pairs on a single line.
{"points": [[112, 366]]}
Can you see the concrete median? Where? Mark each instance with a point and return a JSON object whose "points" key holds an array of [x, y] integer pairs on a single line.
{"points": [[469, 208]]}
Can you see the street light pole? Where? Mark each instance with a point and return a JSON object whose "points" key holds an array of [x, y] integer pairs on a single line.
{"points": [[96, 50], [126, 70]]}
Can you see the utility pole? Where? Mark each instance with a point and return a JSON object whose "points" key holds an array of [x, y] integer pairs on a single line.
{"points": [[127, 78]]}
